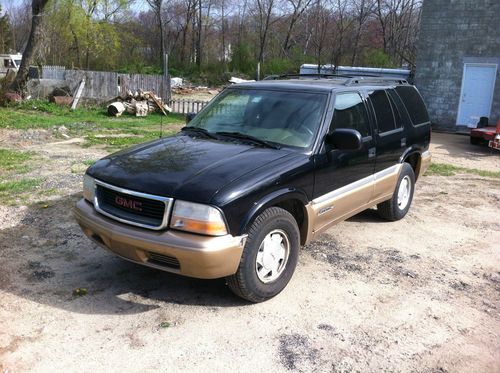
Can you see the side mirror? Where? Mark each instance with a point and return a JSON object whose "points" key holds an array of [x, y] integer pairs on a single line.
{"points": [[344, 139], [189, 117]]}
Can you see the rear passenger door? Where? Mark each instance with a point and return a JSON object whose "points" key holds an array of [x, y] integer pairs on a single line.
{"points": [[390, 138]]}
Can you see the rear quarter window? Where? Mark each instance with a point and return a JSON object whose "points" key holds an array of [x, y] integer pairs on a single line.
{"points": [[414, 104], [383, 111]]}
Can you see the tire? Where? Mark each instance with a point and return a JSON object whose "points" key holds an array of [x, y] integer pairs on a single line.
{"points": [[475, 141], [279, 228], [397, 207]]}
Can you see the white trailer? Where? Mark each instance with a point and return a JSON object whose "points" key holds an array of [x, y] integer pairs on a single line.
{"points": [[9, 62]]}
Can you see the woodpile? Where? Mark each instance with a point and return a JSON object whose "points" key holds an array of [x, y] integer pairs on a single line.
{"points": [[140, 103]]}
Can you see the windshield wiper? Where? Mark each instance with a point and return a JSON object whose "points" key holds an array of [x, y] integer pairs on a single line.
{"points": [[203, 131], [243, 136]]}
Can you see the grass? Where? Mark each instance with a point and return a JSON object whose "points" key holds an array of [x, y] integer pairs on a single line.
{"points": [[14, 160], [116, 133], [41, 114], [11, 190], [444, 169]]}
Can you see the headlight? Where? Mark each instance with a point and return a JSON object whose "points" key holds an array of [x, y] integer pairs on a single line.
{"points": [[198, 218], [88, 188]]}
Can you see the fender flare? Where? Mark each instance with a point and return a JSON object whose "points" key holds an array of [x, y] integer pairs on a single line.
{"points": [[408, 152], [271, 199]]}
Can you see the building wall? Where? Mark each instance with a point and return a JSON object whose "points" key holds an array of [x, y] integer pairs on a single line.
{"points": [[453, 32]]}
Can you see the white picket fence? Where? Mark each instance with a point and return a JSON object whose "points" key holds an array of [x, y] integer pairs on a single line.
{"points": [[184, 106]]}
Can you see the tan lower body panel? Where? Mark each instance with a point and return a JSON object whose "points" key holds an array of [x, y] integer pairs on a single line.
{"points": [[187, 254], [341, 204], [425, 162]]}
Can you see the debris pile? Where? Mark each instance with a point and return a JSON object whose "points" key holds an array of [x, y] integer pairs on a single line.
{"points": [[140, 103]]}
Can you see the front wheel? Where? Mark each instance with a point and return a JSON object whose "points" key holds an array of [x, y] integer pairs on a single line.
{"points": [[400, 202], [269, 257]]}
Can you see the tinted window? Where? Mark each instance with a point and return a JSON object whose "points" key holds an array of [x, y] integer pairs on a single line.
{"points": [[414, 104], [350, 112], [383, 111], [393, 97]]}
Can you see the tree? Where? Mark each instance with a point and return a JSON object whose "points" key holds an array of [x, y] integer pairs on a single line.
{"points": [[264, 12], [37, 9], [299, 7], [156, 7], [5, 42]]}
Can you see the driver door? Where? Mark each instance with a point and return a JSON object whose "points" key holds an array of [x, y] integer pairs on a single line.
{"points": [[344, 178]]}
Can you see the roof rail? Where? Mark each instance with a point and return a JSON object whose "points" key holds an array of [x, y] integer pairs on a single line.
{"points": [[372, 79], [350, 79], [284, 76]]}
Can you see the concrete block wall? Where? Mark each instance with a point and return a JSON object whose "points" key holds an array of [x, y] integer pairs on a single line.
{"points": [[453, 32]]}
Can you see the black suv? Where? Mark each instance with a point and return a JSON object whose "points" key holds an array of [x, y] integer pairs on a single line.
{"points": [[259, 172]]}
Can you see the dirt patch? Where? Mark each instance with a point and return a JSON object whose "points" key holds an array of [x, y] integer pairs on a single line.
{"points": [[421, 294], [457, 150]]}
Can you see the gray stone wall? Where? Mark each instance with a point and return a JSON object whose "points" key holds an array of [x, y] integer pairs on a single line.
{"points": [[453, 32]]}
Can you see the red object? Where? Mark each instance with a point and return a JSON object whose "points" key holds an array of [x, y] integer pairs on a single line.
{"points": [[495, 142], [485, 133], [13, 97]]}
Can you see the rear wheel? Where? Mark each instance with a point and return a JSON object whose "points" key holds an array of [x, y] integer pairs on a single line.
{"points": [[475, 141], [269, 257], [400, 202]]}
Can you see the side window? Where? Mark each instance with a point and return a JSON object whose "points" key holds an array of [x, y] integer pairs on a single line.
{"points": [[350, 112], [383, 111], [414, 104], [395, 108]]}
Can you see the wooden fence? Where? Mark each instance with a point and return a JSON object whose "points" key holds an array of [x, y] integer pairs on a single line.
{"points": [[184, 106], [104, 85]]}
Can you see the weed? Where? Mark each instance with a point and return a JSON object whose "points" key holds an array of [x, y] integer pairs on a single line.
{"points": [[14, 191], [13, 160], [18, 186], [444, 169]]}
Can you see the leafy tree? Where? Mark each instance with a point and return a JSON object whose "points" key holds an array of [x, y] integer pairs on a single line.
{"points": [[5, 42]]}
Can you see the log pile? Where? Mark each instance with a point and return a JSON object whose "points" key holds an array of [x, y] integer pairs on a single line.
{"points": [[140, 103]]}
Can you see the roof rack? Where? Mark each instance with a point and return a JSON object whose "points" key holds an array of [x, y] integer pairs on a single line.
{"points": [[285, 76], [350, 79], [373, 79]]}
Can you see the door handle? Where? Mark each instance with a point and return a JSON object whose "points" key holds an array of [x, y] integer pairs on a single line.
{"points": [[371, 152]]}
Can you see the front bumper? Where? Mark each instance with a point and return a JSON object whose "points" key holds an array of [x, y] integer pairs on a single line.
{"points": [[178, 252]]}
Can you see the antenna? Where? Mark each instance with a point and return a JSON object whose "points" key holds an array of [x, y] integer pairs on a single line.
{"points": [[161, 126]]}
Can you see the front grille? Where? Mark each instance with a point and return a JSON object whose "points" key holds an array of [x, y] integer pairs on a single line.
{"points": [[163, 260], [131, 207]]}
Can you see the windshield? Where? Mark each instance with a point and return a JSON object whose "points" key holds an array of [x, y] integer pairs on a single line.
{"points": [[286, 118]]}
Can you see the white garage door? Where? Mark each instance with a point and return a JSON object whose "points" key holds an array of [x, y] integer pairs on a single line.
{"points": [[478, 83]]}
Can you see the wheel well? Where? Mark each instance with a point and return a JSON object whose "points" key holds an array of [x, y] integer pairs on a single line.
{"points": [[298, 211], [414, 161]]}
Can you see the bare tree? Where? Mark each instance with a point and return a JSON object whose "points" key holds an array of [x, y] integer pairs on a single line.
{"points": [[321, 17], [362, 11], [299, 7], [343, 23], [156, 6], [264, 13], [37, 9]]}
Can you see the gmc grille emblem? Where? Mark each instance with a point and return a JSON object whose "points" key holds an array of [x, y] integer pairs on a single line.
{"points": [[128, 203]]}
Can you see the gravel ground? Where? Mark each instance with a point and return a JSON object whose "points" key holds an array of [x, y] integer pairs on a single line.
{"points": [[421, 294]]}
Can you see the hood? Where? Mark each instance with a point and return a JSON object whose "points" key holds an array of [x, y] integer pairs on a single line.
{"points": [[182, 167]]}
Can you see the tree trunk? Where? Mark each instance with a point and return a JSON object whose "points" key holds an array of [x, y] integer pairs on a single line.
{"points": [[198, 36], [162, 39], [19, 83]]}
